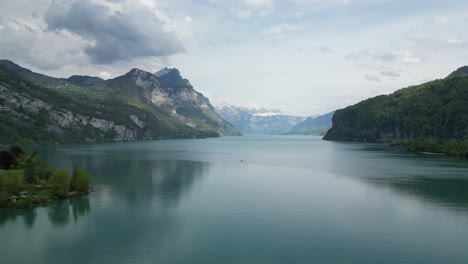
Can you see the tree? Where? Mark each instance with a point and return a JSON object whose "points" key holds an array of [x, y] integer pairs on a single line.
{"points": [[60, 183], [6, 160], [29, 171], [80, 180], [16, 151]]}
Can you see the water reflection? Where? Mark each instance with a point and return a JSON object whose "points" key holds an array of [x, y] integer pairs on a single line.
{"points": [[140, 172], [59, 213], [62, 212], [28, 215], [438, 180], [449, 193]]}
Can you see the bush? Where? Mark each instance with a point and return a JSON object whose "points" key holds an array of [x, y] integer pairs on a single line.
{"points": [[80, 180], [11, 181], [60, 183]]}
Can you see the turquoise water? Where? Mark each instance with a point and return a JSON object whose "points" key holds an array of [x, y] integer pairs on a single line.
{"points": [[248, 200]]}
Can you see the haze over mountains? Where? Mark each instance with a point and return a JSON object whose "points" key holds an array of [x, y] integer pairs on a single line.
{"points": [[318, 125], [38, 109], [271, 121], [258, 121]]}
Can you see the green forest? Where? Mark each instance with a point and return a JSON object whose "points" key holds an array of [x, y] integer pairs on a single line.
{"points": [[432, 117], [26, 180]]}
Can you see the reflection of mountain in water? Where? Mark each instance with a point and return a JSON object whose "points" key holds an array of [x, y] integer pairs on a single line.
{"points": [[437, 180], [450, 193], [171, 179], [140, 173], [59, 213]]}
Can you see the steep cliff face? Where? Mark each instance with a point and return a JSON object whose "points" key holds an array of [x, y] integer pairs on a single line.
{"points": [[435, 110], [36, 108]]}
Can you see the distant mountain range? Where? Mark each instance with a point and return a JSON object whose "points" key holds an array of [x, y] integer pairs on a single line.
{"points": [[38, 109], [258, 121], [316, 126], [428, 117]]}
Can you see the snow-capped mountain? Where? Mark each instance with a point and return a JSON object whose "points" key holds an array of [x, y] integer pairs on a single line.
{"points": [[258, 121]]}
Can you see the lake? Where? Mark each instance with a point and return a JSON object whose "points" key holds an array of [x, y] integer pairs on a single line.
{"points": [[281, 199]]}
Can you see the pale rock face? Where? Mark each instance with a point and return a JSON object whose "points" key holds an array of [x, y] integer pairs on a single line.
{"points": [[64, 119], [159, 97], [137, 121], [16, 99], [123, 134], [145, 79], [190, 124], [104, 125]]}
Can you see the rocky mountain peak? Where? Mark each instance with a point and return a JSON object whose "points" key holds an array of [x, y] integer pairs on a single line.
{"points": [[143, 78], [171, 77]]}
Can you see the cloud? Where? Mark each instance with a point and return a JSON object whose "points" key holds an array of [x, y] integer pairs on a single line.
{"points": [[246, 9], [30, 44], [378, 59], [372, 78], [105, 75], [456, 41], [188, 19], [258, 4], [133, 32], [279, 30], [408, 58], [244, 14], [440, 19], [389, 73], [324, 49]]}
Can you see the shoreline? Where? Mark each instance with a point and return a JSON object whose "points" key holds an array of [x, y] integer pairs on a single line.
{"points": [[49, 201]]}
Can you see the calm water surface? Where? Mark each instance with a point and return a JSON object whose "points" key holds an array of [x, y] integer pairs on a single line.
{"points": [[248, 200]]}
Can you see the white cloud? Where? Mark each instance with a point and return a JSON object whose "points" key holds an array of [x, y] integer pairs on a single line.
{"points": [[440, 19], [408, 58], [279, 30], [372, 78], [188, 19], [389, 73], [258, 4], [105, 75], [456, 41], [244, 14]]}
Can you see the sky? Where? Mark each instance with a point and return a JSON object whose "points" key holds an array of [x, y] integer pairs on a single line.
{"points": [[304, 57]]}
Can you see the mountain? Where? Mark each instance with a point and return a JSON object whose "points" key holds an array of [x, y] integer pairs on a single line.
{"points": [[436, 110], [460, 72], [38, 109], [258, 121], [317, 126]]}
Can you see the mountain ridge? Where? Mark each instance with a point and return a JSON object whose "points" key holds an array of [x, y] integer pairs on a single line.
{"points": [[435, 111], [258, 121], [134, 106], [317, 125]]}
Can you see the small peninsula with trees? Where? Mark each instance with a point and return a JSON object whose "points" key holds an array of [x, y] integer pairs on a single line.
{"points": [[26, 180]]}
